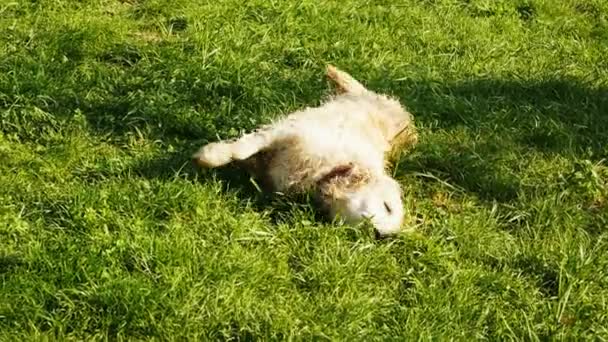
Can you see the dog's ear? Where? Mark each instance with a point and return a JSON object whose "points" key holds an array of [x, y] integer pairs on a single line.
{"points": [[341, 179], [345, 83], [337, 172]]}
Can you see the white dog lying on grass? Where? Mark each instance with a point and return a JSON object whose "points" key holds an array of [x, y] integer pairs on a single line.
{"points": [[338, 150]]}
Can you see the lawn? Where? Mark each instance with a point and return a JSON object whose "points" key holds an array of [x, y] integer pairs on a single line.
{"points": [[107, 231]]}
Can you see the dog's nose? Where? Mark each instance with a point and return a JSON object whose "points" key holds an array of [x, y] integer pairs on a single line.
{"points": [[386, 229], [380, 236]]}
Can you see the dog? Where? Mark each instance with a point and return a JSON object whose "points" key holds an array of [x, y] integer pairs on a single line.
{"points": [[340, 151]]}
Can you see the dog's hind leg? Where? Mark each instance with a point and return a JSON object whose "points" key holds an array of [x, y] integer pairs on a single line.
{"points": [[345, 83], [223, 152]]}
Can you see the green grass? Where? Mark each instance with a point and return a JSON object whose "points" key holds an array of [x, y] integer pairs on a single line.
{"points": [[107, 231]]}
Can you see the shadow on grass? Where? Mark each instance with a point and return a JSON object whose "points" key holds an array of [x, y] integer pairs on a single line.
{"points": [[549, 116], [197, 107], [9, 262], [502, 120], [476, 169]]}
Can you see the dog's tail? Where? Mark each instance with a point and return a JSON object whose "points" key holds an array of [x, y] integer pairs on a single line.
{"points": [[345, 82]]}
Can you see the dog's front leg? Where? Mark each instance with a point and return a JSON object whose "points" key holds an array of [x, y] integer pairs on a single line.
{"points": [[223, 152]]}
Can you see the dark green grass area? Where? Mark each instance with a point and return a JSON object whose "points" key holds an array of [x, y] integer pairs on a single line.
{"points": [[108, 232]]}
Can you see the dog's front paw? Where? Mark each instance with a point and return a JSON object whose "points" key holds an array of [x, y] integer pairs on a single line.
{"points": [[213, 155]]}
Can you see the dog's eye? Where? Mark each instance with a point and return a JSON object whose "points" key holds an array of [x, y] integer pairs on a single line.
{"points": [[388, 209]]}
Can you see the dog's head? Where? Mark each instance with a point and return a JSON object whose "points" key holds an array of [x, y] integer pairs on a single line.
{"points": [[355, 196]]}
